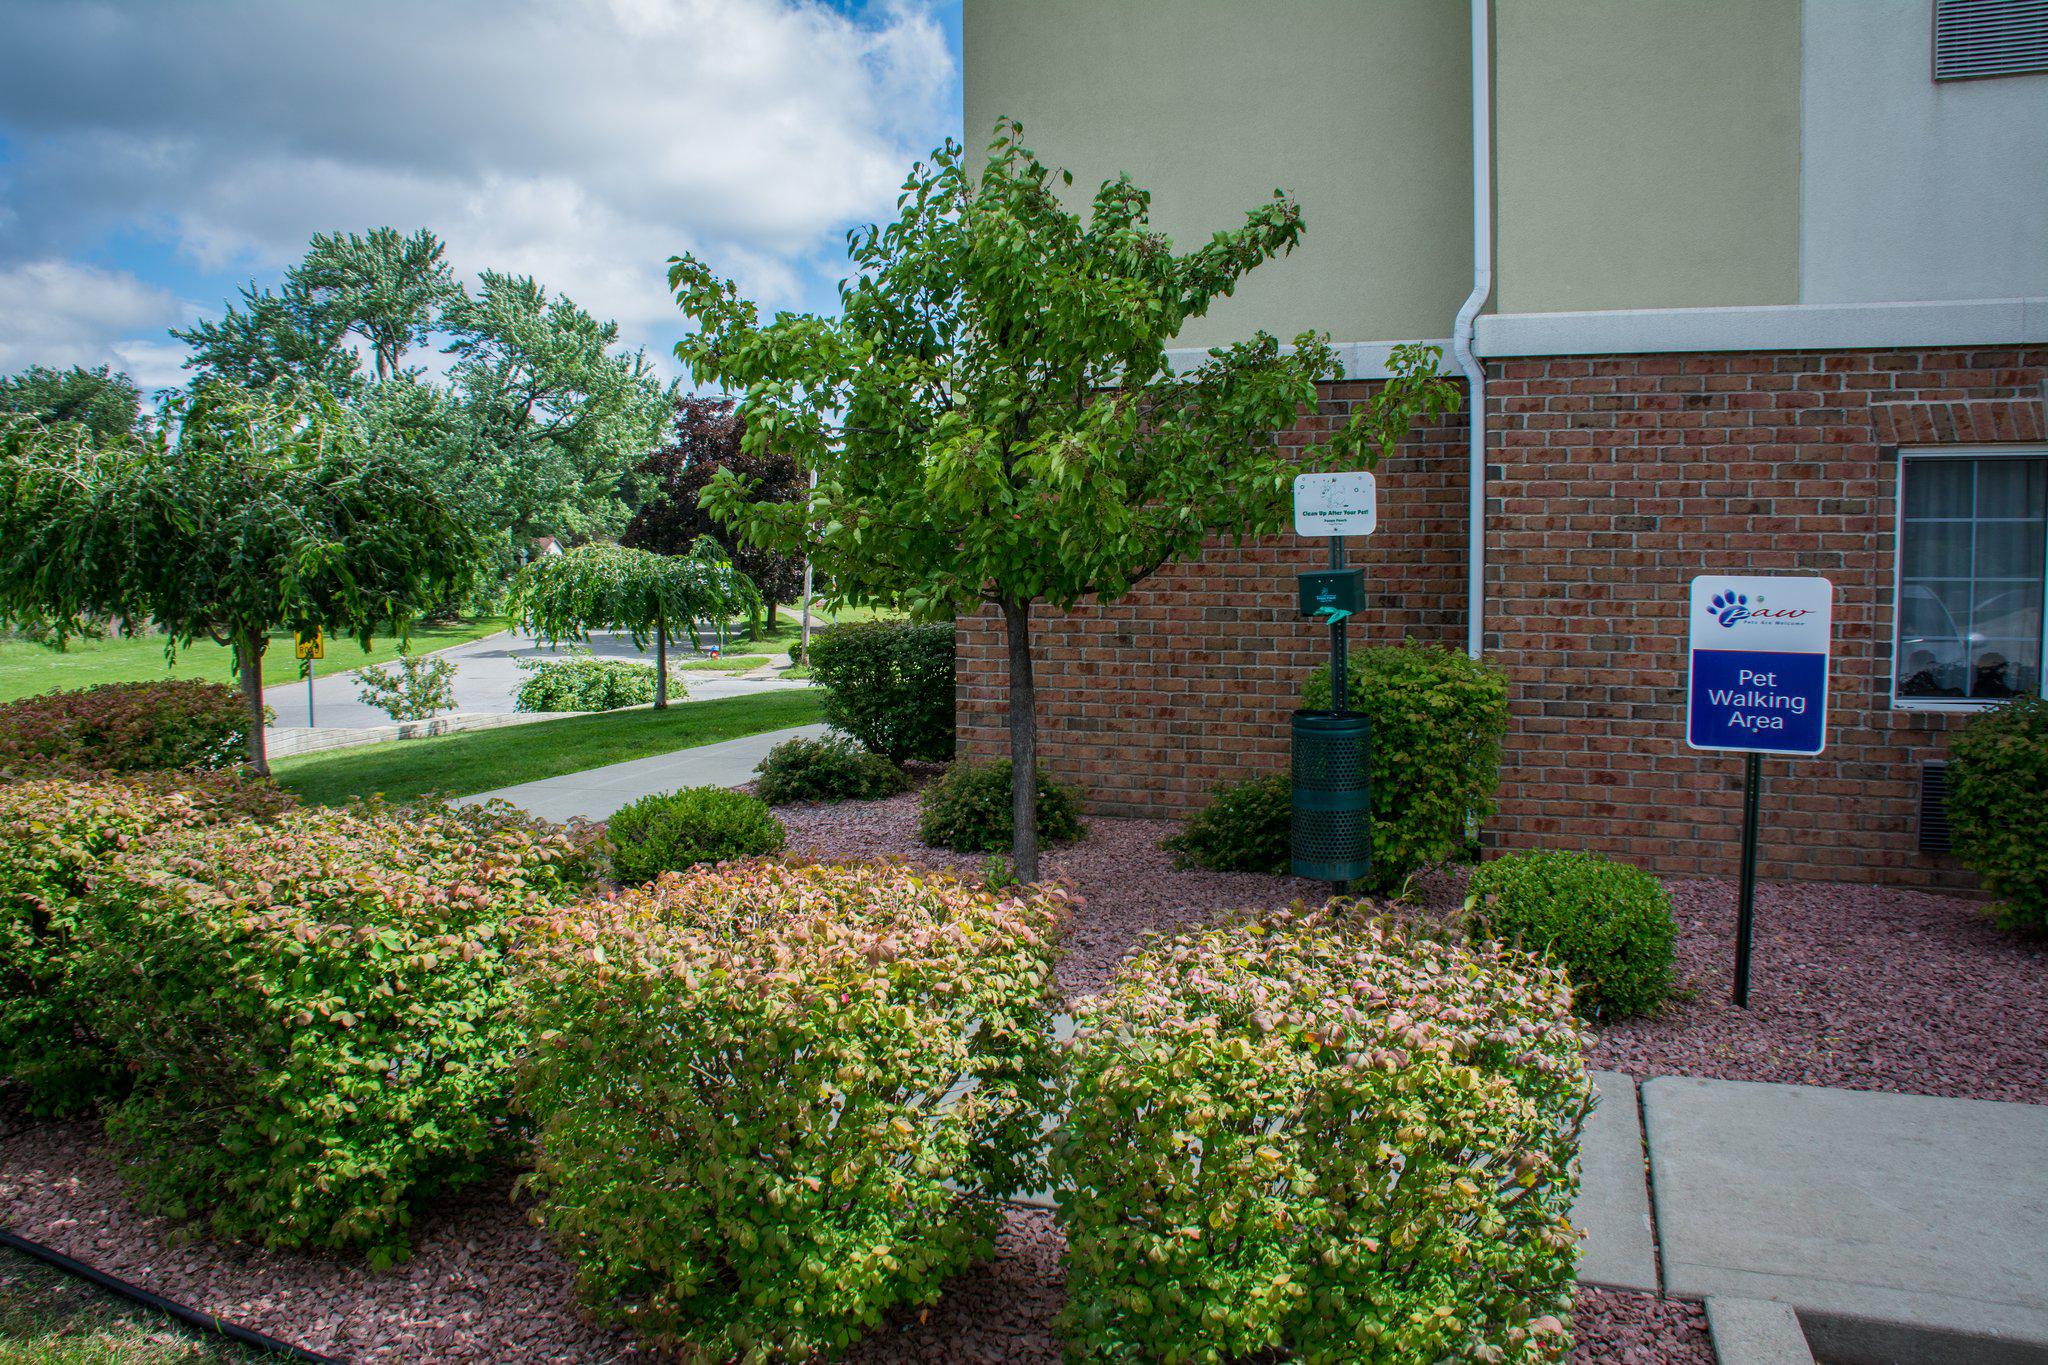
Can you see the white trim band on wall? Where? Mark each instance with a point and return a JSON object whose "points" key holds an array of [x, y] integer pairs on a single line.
{"points": [[1362, 359], [1779, 327]]}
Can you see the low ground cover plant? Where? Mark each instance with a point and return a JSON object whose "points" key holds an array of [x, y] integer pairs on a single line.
{"points": [[674, 831], [317, 1013], [753, 1138], [889, 684], [1997, 772], [1607, 924], [1314, 1139], [584, 682], [1244, 828], [56, 833], [1437, 720], [830, 769], [968, 810], [125, 727]]}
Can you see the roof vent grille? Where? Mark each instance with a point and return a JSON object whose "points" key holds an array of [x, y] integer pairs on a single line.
{"points": [[1976, 38], [1934, 808]]}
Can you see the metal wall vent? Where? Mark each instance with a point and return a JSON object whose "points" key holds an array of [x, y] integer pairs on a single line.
{"points": [[1976, 38], [1934, 808]]}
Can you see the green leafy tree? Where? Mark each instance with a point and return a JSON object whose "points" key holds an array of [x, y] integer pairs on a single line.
{"points": [[994, 419], [103, 401], [556, 417], [386, 288], [266, 512], [608, 587], [281, 337]]}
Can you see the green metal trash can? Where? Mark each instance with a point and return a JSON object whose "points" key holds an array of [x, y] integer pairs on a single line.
{"points": [[1332, 832]]}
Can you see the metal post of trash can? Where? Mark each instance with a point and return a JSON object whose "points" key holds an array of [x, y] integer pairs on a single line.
{"points": [[1340, 668]]}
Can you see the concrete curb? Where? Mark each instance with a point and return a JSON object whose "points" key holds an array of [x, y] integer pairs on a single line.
{"points": [[1756, 1332]]}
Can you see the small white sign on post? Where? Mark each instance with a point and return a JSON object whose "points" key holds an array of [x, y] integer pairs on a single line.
{"points": [[1344, 504]]}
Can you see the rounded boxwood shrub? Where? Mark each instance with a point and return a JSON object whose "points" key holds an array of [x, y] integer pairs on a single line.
{"points": [[754, 1139], [1997, 772], [125, 727], [829, 769], [889, 684], [1608, 924], [1437, 720], [672, 831], [318, 1014], [968, 810], [1309, 1138], [583, 682], [56, 833], [1246, 828]]}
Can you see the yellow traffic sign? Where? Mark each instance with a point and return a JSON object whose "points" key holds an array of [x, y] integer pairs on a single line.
{"points": [[313, 648]]}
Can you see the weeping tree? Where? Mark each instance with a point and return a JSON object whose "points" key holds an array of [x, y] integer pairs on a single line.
{"points": [[993, 417], [264, 511], [608, 587]]}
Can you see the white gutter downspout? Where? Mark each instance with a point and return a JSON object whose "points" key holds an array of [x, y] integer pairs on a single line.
{"points": [[1461, 330]]}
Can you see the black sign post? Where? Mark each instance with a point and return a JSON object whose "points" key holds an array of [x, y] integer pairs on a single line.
{"points": [[1745, 909]]}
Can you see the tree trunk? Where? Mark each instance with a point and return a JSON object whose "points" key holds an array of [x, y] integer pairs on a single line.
{"points": [[249, 648], [661, 666], [1023, 745], [771, 616]]}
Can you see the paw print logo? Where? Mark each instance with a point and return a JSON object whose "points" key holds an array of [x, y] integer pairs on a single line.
{"points": [[1728, 607]]}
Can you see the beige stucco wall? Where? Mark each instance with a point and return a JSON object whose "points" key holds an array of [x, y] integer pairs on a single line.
{"points": [[1647, 153], [1359, 108]]}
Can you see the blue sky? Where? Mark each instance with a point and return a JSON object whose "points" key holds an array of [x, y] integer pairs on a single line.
{"points": [[156, 154]]}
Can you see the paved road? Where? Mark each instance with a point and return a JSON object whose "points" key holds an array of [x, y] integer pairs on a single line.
{"points": [[487, 678], [595, 793]]}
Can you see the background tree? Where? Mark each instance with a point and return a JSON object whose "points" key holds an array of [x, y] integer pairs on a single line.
{"points": [[103, 401], [557, 418], [386, 288], [707, 439], [993, 417], [266, 512], [609, 587], [281, 337]]}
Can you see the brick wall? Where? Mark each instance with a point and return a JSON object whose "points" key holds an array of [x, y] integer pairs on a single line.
{"points": [[1614, 480]]}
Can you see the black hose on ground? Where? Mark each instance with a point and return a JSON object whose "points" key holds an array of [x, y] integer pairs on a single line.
{"points": [[192, 1317]]}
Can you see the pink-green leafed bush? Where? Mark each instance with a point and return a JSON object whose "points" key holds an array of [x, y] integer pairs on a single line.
{"points": [[1311, 1138], [319, 1013], [56, 833], [757, 1135], [124, 728]]}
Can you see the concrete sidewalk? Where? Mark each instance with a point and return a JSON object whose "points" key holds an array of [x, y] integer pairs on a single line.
{"points": [[1853, 1225], [596, 792]]}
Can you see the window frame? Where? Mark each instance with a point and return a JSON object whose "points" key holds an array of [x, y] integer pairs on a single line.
{"points": [[1902, 455]]}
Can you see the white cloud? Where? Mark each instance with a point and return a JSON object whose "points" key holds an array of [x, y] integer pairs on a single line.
{"points": [[582, 141], [58, 313]]}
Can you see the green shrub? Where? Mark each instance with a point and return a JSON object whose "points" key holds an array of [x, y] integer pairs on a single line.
{"points": [[1245, 829], [584, 682], [751, 1140], [889, 684], [672, 831], [1437, 719], [411, 687], [968, 810], [829, 769], [317, 1013], [1606, 923], [125, 728], [1312, 1139], [55, 834], [1997, 774]]}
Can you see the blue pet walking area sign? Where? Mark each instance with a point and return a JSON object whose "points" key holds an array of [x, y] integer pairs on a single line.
{"points": [[1758, 680]]}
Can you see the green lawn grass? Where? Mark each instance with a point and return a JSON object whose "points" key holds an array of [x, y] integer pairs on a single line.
{"points": [[26, 668], [724, 663], [482, 760], [49, 1318]]}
